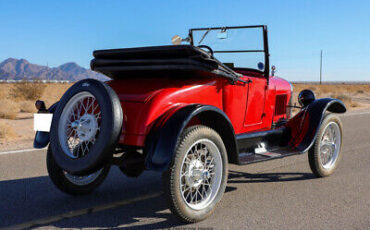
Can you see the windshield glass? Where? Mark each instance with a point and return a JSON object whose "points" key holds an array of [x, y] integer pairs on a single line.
{"points": [[242, 46]]}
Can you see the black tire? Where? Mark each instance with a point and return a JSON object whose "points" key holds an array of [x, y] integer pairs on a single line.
{"points": [[171, 178], [61, 181], [314, 159], [110, 128]]}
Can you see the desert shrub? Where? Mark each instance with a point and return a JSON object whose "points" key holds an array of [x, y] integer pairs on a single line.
{"points": [[312, 88], [8, 109], [6, 131], [360, 91], [27, 106], [347, 100], [27, 90], [355, 104], [3, 92]]}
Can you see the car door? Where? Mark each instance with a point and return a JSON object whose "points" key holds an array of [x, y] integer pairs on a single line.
{"points": [[255, 103]]}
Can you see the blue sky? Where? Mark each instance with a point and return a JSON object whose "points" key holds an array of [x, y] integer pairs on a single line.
{"points": [[56, 32]]}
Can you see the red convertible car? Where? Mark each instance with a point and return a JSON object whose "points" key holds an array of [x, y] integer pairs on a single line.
{"points": [[187, 110]]}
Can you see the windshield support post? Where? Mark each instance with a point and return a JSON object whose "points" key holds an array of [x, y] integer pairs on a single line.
{"points": [[267, 55]]}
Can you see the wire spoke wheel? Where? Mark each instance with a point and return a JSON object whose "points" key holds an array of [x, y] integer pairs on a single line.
{"points": [[324, 155], [79, 125], [86, 127], [330, 145], [201, 174]]}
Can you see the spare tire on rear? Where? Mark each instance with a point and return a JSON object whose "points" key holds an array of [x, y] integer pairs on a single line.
{"points": [[86, 127]]}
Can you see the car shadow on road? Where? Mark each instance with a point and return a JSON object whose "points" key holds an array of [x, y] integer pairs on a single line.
{"points": [[243, 177], [121, 202], [36, 202]]}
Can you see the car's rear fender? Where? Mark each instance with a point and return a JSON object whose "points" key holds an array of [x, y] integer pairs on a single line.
{"points": [[161, 142], [302, 129], [42, 139]]}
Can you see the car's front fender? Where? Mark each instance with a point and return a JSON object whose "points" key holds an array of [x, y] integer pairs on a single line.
{"points": [[302, 129]]}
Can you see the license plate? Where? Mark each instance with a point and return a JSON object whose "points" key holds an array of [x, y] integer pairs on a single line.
{"points": [[42, 121]]}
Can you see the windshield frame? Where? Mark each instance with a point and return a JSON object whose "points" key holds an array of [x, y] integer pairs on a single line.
{"points": [[265, 43]]}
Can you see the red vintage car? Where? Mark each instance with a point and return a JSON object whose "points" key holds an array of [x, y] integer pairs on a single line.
{"points": [[187, 110]]}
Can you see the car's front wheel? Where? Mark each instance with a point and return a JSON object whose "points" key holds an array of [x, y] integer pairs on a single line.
{"points": [[197, 176], [324, 155], [73, 184]]}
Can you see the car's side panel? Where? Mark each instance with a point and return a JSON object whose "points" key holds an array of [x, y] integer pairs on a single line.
{"points": [[256, 104], [234, 103], [143, 104], [143, 108]]}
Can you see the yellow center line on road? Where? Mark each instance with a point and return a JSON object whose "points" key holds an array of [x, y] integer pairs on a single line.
{"points": [[80, 212]]}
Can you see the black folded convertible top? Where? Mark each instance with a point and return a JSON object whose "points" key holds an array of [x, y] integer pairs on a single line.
{"points": [[158, 61]]}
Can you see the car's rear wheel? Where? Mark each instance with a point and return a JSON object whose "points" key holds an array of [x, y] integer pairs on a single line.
{"points": [[73, 184], [197, 176], [324, 155], [86, 127]]}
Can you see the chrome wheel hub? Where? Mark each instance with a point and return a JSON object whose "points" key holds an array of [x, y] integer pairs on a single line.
{"points": [[201, 174], [86, 127], [196, 174], [79, 125], [330, 145]]}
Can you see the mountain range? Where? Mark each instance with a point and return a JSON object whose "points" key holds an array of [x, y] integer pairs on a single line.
{"points": [[19, 69]]}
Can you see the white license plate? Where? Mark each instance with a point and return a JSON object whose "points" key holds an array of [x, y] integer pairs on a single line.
{"points": [[42, 121]]}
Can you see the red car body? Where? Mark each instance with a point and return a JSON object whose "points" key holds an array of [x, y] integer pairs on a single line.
{"points": [[249, 106], [179, 110], [164, 89]]}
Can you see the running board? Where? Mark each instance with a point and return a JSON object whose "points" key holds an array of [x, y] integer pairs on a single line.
{"points": [[249, 158], [262, 146]]}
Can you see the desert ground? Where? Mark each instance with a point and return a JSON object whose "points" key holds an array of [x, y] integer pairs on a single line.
{"points": [[17, 105]]}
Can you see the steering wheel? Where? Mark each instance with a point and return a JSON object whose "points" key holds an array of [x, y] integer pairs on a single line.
{"points": [[208, 48]]}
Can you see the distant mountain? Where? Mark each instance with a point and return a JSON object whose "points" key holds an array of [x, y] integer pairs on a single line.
{"points": [[18, 69]]}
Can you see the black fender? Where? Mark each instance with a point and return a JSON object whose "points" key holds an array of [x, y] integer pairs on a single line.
{"points": [[42, 139], [161, 142], [302, 129]]}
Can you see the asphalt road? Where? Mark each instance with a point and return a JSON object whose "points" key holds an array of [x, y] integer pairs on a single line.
{"points": [[279, 194]]}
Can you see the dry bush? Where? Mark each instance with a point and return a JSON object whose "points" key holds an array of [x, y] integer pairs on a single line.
{"points": [[27, 90], [347, 100], [8, 109], [360, 91], [6, 131], [355, 104], [28, 106], [3, 92], [53, 92]]}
